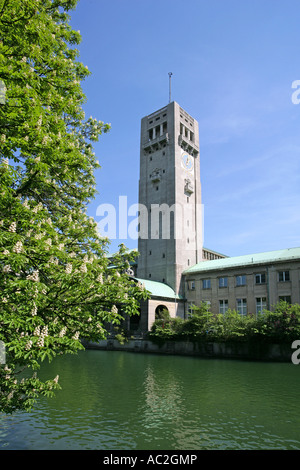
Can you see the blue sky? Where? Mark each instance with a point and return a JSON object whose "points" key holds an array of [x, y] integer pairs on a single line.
{"points": [[233, 65]]}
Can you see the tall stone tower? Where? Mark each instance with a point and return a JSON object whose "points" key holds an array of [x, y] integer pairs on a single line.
{"points": [[170, 230]]}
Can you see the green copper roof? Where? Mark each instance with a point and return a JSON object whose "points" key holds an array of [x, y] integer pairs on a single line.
{"points": [[245, 260], [158, 289]]}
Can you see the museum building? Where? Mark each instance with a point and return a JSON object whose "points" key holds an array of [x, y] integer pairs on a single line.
{"points": [[172, 264]]}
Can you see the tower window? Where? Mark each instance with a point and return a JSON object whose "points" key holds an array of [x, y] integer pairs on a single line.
{"points": [[242, 306], [285, 298], [284, 276], [261, 304], [241, 280], [260, 278], [223, 306], [206, 284], [223, 282]]}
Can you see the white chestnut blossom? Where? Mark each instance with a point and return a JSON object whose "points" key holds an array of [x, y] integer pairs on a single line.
{"points": [[69, 268], [18, 248], [28, 345], [83, 268], [12, 227], [34, 310], [63, 332], [34, 276], [114, 309]]}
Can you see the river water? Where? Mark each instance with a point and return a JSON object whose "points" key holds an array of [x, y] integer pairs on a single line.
{"points": [[134, 401]]}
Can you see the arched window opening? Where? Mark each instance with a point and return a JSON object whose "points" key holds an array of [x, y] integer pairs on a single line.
{"points": [[161, 312]]}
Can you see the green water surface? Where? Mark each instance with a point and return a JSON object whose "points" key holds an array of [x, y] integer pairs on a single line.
{"points": [[127, 401]]}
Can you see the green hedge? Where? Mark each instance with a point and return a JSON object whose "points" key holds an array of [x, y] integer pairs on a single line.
{"points": [[282, 325]]}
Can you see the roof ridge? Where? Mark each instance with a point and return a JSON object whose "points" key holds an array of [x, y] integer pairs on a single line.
{"points": [[261, 257]]}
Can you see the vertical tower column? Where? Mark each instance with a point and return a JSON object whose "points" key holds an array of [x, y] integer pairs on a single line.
{"points": [[170, 190]]}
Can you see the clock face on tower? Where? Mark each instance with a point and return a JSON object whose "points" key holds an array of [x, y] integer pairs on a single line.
{"points": [[187, 161]]}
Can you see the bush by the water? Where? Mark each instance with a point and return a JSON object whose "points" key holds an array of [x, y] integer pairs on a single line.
{"points": [[282, 325]]}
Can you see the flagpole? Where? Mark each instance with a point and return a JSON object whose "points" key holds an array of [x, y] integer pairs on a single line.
{"points": [[170, 74]]}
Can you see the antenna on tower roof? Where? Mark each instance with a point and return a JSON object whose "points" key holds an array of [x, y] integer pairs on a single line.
{"points": [[170, 75]]}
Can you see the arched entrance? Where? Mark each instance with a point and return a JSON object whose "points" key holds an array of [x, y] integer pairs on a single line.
{"points": [[161, 311]]}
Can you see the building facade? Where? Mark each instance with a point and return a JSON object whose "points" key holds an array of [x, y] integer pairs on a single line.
{"points": [[173, 264], [247, 284]]}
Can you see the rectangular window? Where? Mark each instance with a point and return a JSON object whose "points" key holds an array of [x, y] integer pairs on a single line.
{"points": [[261, 304], [285, 298], [241, 306], [284, 276], [222, 281], [260, 278], [206, 283], [241, 280], [191, 285], [223, 306], [190, 309]]}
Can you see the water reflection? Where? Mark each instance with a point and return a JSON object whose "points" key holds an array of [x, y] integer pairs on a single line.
{"points": [[222, 405], [118, 400], [163, 399]]}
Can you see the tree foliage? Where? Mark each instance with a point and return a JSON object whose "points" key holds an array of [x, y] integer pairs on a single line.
{"points": [[282, 325], [56, 285]]}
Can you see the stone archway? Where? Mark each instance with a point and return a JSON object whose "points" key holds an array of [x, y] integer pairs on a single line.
{"points": [[161, 311]]}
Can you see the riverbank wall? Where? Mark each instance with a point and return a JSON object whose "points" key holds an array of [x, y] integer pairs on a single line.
{"points": [[245, 351]]}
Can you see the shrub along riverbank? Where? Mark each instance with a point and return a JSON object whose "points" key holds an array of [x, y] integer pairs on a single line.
{"points": [[280, 326]]}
